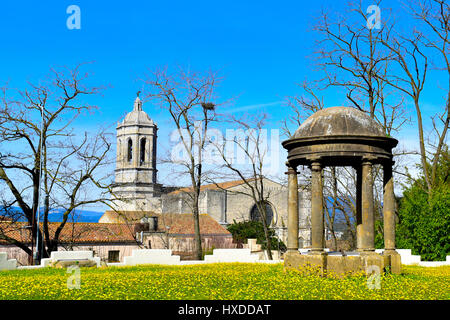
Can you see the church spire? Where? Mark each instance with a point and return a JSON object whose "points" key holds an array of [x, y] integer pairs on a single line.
{"points": [[137, 103]]}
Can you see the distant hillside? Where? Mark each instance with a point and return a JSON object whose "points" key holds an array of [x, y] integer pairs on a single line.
{"points": [[56, 215]]}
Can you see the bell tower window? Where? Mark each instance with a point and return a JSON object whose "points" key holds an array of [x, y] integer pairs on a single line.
{"points": [[130, 150], [142, 151]]}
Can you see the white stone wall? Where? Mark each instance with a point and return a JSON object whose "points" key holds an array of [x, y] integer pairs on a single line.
{"points": [[410, 259], [5, 263], [56, 256], [231, 255], [151, 256]]}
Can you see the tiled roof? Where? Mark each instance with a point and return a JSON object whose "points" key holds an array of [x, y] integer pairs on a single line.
{"points": [[74, 232], [176, 223], [213, 186]]}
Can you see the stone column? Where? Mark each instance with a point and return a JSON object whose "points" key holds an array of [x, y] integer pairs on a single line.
{"points": [[292, 241], [359, 226], [394, 258], [367, 206], [317, 225], [389, 209]]}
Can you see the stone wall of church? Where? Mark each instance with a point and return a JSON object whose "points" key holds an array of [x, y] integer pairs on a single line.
{"points": [[213, 202], [178, 203], [235, 203], [240, 203], [138, 202]]}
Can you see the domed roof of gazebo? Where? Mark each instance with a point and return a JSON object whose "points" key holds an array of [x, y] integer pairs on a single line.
{"points": [[339, 136], [337, 121]]}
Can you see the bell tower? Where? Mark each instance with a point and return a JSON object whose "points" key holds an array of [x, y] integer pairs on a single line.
{"points": [[135, 174]]}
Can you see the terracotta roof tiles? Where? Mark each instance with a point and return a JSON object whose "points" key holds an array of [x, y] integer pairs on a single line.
{"points": [[118, 231], [73, 232], [172, 222]]}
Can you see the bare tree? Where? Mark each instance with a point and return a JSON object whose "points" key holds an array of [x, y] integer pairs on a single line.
{"points": [[411, 54], [251, 142], [351, 56], [42, 155], [189, 97]]}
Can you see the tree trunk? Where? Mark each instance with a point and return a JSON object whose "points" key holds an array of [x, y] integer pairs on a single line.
{"points": [[197, 236], [262, 208]]}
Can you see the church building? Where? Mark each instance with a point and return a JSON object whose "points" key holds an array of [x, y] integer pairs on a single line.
{"points": [[139, 196]]}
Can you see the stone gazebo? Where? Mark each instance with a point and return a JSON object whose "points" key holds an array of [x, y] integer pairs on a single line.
{"points": [[342, 136]]}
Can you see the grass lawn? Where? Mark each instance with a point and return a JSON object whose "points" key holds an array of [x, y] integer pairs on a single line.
{"points": [[219, 281]]}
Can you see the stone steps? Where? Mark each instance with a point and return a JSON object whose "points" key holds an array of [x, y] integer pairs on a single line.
{"points": [[6, 264]]}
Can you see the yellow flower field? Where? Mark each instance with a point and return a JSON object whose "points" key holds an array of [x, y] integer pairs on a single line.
{"points": [[219, 281]]}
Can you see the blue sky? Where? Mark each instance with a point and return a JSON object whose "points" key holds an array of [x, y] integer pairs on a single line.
{"points": [[261, 47]]}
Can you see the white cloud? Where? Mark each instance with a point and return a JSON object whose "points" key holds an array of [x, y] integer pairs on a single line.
{"points": [[254, 106]]}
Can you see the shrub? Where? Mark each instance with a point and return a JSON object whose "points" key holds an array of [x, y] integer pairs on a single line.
{"points": [[242, 231], [424, 222]]}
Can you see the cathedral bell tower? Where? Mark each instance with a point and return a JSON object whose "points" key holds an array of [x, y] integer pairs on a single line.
{"points": [[135, 179]]}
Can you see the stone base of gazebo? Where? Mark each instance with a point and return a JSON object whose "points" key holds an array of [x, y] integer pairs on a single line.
{"points": [[337, 264]]}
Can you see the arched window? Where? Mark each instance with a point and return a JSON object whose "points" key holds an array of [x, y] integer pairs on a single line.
{"points": [[130, 150], [256, 216], [142, 151]]}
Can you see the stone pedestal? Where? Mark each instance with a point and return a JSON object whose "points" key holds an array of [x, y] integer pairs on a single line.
{"points": [[340, 265], [307, 263], [394, 261], [292, 259]]}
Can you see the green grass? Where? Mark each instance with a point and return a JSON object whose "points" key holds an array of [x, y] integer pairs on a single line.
{"points": [[219, 281]]}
